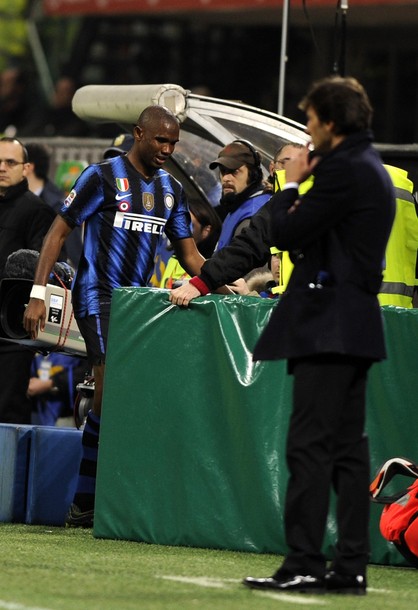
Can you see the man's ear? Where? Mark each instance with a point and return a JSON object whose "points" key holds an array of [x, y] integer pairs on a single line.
{"points": [[138, 133], [28, 168], [329, 126], [206, 230]]}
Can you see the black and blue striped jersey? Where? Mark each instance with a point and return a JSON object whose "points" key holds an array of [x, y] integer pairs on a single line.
{"points": [[124, 216]]}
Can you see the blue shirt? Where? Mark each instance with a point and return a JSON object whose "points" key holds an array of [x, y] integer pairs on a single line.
{"points": [[246, 210]]}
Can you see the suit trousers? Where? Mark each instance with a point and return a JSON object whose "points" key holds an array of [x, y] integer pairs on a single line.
{"points": [[327, 448]]}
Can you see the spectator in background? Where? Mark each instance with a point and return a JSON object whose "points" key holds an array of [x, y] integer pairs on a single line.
{"points": [[53, 387], [282, 156], [119, 146], [262, 283], [60, 120], [243, 195], [24, 221], [39, 157], [241, 179], [19, 115]]}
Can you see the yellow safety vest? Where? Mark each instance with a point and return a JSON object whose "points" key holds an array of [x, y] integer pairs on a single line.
{"points": [[173, 271], [399, 273], [286, 265]]}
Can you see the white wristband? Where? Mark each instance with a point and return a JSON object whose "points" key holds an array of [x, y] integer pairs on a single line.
{"points": [[38, 292]]}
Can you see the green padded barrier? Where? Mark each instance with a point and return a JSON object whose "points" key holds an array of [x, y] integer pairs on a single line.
{"points": [[193, 432]]}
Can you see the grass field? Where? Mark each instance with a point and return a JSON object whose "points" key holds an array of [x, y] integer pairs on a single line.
{"points": [[45, 568]]}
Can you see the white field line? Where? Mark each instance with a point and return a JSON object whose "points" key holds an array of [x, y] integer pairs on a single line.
{"points": [[200, 581], [226, 583], [292, 598], [13, 606]]}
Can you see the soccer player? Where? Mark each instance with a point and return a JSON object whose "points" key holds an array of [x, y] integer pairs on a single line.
{"points": [[125, 204]]}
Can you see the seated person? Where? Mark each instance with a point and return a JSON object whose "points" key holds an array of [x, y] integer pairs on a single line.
{"points": [[264, 284], [52, 386]]}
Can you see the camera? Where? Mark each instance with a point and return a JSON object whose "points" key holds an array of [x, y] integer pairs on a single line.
{"points": [[84, 401], [61, 332]]}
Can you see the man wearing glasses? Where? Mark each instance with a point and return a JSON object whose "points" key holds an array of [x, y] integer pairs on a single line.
{"points": [[282, 156], [24, 221]]}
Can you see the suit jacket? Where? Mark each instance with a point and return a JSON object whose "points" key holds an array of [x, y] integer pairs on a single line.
{"points": [[337, 238], [24, 221]]}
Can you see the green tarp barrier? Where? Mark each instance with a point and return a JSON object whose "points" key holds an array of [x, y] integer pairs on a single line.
{"points": [[192, 445]]}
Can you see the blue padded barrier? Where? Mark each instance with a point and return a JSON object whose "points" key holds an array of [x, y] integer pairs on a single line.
{"points": [[53, 468], [14, 458]]}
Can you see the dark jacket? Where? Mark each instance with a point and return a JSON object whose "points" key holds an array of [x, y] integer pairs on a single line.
{"points": [[24, 221], [337, 238]]}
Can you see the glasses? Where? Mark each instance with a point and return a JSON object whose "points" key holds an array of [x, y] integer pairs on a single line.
{"points": [[11, 163], [282, 161]]}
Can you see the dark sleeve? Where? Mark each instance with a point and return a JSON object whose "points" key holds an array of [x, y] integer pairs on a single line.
{"points": [[242, 225], [248, 250], [320, 208]]}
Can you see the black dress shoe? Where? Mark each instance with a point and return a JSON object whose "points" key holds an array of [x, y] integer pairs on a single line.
{"points": [[345, 583], [290, 582]]}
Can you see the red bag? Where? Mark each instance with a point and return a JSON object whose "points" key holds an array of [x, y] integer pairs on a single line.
{"points": [[399, 523]]}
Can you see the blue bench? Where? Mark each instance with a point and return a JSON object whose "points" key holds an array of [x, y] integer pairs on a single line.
{"points": [[38, 473]]}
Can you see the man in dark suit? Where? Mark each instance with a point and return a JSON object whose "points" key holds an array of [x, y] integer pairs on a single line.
{"points": [[327, 325]]}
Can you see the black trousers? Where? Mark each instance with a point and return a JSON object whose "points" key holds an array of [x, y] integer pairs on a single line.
{"points": [[327, 447]]}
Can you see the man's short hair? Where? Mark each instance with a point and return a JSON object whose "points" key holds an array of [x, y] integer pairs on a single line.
{"points": [[341, 100], [39, 155], [12, 139], [292, 144]]}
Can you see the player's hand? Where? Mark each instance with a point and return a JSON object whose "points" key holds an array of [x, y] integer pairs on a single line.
{"points": [[38, 386], [240, 286], [34, 317], [184, 294]]}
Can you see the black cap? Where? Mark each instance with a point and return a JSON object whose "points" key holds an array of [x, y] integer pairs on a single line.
{"points": [[121, 144], [233, 156]]}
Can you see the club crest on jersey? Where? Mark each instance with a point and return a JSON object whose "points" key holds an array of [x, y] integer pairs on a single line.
{"points": [[168, 201], [124, 206], [70, 198], [148, 201], [122, 184]]}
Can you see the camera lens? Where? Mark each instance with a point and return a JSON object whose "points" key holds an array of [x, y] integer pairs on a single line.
{"points": [[12, 308]]}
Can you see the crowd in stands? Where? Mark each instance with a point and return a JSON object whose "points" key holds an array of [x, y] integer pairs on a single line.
{"points": [[25, 111]]}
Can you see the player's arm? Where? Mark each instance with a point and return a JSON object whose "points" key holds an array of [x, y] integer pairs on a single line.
{"points": [[35, 311], [189, 256]]}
